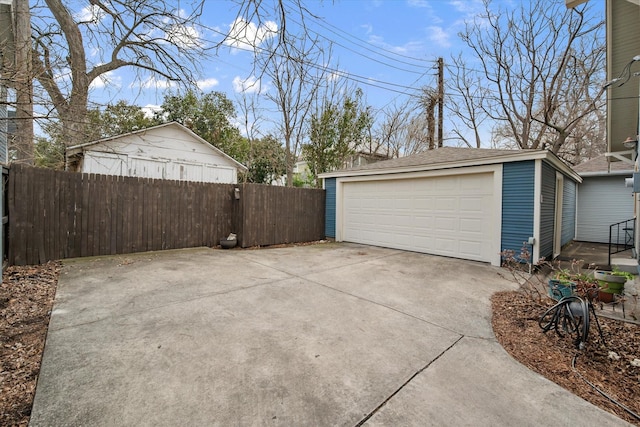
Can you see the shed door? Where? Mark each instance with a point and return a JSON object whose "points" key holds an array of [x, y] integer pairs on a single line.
{"points": [[602, 201], [447, 215]]}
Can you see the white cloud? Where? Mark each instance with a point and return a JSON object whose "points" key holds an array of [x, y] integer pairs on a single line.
{"points": [[337, 75], [418, 3], [149, 110], [368, 28], [409, 48], [248, 85], [90, 13], [467, 7], [207, 83], [107, 79], [439, 36], [185, 37], [154, 83], [247, 36]]}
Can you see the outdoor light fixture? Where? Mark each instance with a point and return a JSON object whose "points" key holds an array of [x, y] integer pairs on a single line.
{"points": [[630, 142]]}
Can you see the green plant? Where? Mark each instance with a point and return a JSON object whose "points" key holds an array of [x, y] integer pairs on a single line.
{"points": [[617, 272]]}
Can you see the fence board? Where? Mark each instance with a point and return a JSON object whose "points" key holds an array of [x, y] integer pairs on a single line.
{"points": [[54, 215]]}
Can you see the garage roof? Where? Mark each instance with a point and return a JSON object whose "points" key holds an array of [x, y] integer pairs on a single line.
{"points": [[452, 157], [600, 166]]}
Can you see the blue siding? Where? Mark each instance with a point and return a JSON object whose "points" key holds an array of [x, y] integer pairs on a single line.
{"points": [[517, 204], [330, 207], [569, 191], [547, 210]]}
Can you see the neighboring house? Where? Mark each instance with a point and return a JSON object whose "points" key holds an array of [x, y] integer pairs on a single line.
{"points": [[459, 202], [360, 158], [623, 109], [301, 171], [603, 198], [167, 151]]}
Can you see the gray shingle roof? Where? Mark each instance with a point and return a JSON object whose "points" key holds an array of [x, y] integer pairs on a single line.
{"points": [[439, 156], [601, 164]]}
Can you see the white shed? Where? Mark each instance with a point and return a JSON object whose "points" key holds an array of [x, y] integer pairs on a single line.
{"points": [[167, 151]]}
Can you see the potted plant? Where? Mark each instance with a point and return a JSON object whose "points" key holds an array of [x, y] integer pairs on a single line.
{"points": [[612, 281], [561, 285]]}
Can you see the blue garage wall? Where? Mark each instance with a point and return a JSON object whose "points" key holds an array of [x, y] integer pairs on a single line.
{"points": [[518, 180], [569, 191], [330, 207], [547, 210]]}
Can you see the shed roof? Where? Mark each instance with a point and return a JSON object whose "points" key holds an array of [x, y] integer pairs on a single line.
{"points": [[79, 149], [601, 165], [451, 157]]}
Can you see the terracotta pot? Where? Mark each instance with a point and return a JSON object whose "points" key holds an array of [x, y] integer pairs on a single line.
{"points": [[605, 297]]}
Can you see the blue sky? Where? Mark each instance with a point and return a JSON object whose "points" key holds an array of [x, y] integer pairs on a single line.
{"points": [[387, 47], [392, 45]]}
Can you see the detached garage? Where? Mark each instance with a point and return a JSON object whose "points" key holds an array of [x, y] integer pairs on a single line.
{"points": [[167, 151], [458, 202]]}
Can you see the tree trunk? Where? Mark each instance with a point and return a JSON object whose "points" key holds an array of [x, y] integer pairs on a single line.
{"points": [[23, 142]]}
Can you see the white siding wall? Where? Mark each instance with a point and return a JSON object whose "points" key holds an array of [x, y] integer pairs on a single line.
{"points": [[602, 201], [161, 153]]}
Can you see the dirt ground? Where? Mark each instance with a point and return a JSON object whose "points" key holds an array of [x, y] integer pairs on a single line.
{"points": [[613, 367], [26, 298], [27, 294]]}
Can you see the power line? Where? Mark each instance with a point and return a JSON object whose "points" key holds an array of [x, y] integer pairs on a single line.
{"points": [[322, 21], [347, 75]]}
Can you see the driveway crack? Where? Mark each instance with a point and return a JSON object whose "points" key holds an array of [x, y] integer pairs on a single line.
{"points": [[381, 405]]}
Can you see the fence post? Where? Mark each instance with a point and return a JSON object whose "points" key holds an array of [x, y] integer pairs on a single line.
{"points": [[4, 216]]}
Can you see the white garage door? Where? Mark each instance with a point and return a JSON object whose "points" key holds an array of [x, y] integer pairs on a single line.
{"points": [[448, 215]]}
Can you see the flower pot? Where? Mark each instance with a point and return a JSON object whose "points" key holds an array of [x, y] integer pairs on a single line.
{"points": [[605, 297], [608, 276], [558, 289], [228, 243], [609, 282], [612, 287]]}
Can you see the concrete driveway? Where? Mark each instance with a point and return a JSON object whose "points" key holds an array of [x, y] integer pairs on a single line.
{"points": [[322, 335]]}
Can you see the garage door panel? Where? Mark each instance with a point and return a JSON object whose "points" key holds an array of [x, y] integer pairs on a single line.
{"points": [[470, 248], [449, 216], [446, 224], [470, 225]]}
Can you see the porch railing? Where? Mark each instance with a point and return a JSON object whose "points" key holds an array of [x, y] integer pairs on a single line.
{"points": [[621, 236]]}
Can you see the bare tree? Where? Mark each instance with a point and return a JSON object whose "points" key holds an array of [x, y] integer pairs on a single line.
{"points": [[392, 132], [542, 64], [296, 80], [428, 101], [466, 102], [155, 38], [409, 128]]}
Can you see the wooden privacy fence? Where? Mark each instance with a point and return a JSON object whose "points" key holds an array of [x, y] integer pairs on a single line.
{"points": [[56, 215]]}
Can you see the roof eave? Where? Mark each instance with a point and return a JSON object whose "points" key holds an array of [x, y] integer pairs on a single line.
{"points": [[516, 156], [612, 173], [77, 149]]}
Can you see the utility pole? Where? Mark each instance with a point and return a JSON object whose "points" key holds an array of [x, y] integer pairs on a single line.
{"points": [[440, 100]]}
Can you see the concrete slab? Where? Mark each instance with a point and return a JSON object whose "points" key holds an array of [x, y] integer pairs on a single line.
{"points": [[476, 383], [453, 294], [312, 335]]}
